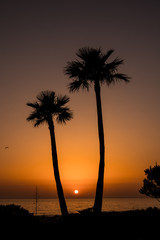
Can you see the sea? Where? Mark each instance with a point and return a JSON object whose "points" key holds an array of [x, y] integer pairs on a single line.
{"points": [[50, 207]]}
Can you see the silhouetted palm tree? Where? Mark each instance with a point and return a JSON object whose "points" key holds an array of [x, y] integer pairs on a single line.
{"points": [[92, 67], [46, 109]]}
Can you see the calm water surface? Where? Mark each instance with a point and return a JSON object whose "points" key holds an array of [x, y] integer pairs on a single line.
{"points": [[51, 206]]}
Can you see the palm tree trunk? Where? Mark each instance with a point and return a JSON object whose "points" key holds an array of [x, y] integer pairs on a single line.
{"points": [[62, 202], [99, 190]]}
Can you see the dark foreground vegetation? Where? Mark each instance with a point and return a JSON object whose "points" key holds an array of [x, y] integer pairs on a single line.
{"points": [[135, 224]]}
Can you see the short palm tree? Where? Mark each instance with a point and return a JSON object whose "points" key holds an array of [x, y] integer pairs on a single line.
{"points": [[46, 109], [92, 67]]}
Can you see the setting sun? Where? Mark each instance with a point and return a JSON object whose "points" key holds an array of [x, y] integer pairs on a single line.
{"points": [[76, 191]]}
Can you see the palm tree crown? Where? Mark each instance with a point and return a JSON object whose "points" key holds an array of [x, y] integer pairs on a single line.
{"points": [[93, 66], [49, 105]]}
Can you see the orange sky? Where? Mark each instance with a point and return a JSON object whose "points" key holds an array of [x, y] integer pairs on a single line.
{"points": [[130, 148], [36, 45]]}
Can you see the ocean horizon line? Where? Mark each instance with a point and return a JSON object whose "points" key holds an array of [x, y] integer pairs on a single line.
{"points": [[56, 198]]}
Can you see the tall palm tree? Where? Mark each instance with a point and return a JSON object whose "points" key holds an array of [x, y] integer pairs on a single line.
{"points": [[46, 109], [92, 67]]}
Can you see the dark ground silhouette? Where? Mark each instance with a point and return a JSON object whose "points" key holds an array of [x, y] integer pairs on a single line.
{"points": [[135, 224]]}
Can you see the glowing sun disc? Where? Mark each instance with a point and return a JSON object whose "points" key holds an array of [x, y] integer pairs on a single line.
{"points": [[76, 191]]}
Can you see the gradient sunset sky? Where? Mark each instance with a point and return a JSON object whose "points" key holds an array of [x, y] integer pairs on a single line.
{"points": [[38, 38]]}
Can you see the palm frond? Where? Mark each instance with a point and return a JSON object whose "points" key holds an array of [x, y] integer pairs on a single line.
{"points": [[46, 96], [39, 122], [112, 66], [64, 116], [74, 69], [86, 53], [118, 77], [62, 100], [107, 55], [33, 105], [75, 85], [36, 117], [121, 76], [32, 116]]}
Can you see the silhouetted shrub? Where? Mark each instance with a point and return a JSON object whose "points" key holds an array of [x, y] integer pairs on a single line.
{"points": [[13, 209], [151, 184]]}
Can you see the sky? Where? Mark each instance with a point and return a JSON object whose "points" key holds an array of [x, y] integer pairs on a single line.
{"points": [[37, 40]]}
